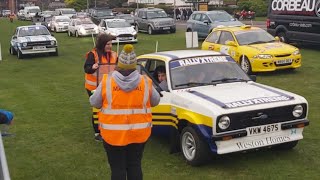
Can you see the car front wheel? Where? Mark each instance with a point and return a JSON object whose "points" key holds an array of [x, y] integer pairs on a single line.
{"points": [[137, 28], [245, 65], [20, 55], [195, 150], [150, 30], [69, 34], [12, 51], [77, 34]]}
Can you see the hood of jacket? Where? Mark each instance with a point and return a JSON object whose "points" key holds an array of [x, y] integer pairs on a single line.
{"points": [[127, 83]]}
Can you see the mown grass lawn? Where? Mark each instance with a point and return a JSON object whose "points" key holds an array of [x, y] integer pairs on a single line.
{"points": [[54, 138]]}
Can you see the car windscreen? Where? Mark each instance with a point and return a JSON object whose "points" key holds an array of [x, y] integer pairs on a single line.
{"points": [[202, 71], [33, 31], [118, 24], [104, 13], [126, 17], [34, 10], [156, 14], [68, 11], [87, 21], [63, 20], [253, 37], [221, 17]]}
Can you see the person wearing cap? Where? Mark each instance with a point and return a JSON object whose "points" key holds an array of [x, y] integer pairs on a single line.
{"points": [[6, 117], [101, 54], [125, 98]]}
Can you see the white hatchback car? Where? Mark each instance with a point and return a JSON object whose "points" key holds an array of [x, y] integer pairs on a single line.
{"points": [[33, 39], [59, 23], [82, 27], [119, 28]]}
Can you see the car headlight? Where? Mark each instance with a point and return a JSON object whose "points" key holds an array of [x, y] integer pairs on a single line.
{"points": [[296, 52], [24, 44], [52, 43], [82, 30], [224, 122], [134, 32], [263, 56], [297, 111], [156, 24]]}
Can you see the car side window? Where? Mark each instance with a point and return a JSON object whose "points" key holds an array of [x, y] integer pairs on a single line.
{"points": [[204, 17], [225, 37], [197, 17], [213, 37]]}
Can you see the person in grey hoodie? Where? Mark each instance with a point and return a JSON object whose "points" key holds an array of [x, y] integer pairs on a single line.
{"points": [[125, 119]]}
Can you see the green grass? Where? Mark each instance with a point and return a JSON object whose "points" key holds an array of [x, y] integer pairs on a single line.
{"points": [[260, 18], [54, 137]]}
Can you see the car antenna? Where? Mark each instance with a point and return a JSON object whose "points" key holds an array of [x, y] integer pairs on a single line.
{"points": [[157, 46]]}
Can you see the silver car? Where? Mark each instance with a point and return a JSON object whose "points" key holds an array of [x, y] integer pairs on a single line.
{"points": [[204, 21]]}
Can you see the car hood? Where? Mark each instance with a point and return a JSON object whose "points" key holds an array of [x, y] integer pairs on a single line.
{"points": [[161, 19], [104, 17], [62, 23], [272, 48], [88, 26], [127, 30], [237, 95], [36, 38], [227, 23]]}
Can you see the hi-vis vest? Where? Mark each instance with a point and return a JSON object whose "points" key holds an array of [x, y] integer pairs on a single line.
{"points": [[125, 117], [91, 79]]}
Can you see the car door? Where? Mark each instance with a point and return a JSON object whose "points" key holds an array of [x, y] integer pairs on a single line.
{"points": [[71, 26], [211, 42], [223, 47], [143, 22], [163, 115], [197, 23], [204, 25]]}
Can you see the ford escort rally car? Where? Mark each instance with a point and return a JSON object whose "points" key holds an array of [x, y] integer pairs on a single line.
{"points": [[253, 48], [212, 106], [33, 39]]}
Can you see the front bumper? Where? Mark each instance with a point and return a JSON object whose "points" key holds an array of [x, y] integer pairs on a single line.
{"points": [[267, 65], [61, 29], [87, 33], [127, 40], [31, 50], [239, 141], [165, 28]]}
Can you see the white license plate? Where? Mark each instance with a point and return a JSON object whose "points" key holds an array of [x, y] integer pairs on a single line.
{"points": [[39, 48], [165, 28], [258, 130], [285, 61], [125, 38]]}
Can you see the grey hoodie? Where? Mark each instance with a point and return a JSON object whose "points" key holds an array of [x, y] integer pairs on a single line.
{"points": [[127, 84]]}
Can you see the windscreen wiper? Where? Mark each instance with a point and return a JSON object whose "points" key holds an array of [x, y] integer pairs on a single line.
{"points": [[192, 83], [223, 80], [257, 42]]}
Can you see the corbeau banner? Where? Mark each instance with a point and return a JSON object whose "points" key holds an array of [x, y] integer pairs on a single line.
{"points": [[302, 7]]}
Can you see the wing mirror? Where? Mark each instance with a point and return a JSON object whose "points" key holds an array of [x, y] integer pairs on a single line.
{"points": [[277, 39], [14, 37], [206, 22], [144, 17], [231, 43]]}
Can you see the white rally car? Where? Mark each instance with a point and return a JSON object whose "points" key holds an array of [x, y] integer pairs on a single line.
{"points": [[119, 28], [82, 27], [33, 39], [211, 106], [59, 23]]}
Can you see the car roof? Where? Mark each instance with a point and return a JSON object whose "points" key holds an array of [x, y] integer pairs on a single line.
{"points": [[179, 54], [30, 26], [150, 9], [62, 17], [209, 12], [114, 20], [238, 28]]}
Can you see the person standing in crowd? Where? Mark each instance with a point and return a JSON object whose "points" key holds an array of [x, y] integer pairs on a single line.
{"points": [[125, 98], [101, 56], [161, 77]]}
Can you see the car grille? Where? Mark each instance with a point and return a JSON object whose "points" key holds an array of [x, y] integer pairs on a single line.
{"points": [[39, 43], [165, 23], [282, 55], [274, 115], [125, 35]]}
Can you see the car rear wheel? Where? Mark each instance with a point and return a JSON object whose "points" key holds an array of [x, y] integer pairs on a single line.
{"points": [[283, 37], [189, 30], [55, 29], [195, 150], [150, 30], [137, 28], [77, 34], [173, 30], [20, 55], [245, 65], [69, 34], [12, 51]]}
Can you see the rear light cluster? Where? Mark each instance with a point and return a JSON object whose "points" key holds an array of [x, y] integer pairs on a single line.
{"points": [[268, 23]]}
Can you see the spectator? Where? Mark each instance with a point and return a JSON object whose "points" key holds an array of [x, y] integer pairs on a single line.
{"points": [[160, 75], [125, 98]]}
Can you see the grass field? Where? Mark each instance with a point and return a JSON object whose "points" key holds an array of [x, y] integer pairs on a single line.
{"points": [[54, 137]]}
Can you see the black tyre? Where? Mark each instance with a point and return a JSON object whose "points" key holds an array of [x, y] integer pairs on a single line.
{"points": [[173, 30], [286, 146], [283, 37], [137, 28], [189, 30], [20, 55], [12, 51], [245, 65], [77, 34], [150, 30], [69, 34], [195, 150]]}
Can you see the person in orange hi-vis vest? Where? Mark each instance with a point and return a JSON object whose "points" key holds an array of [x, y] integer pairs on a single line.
{"points": [[100, 60], [125, 98]]}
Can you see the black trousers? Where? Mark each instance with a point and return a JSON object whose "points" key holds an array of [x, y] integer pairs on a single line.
{"points": [[125, 161], [93, 119]]}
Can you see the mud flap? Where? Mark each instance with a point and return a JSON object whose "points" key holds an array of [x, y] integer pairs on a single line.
{"points": [[174, 140]]}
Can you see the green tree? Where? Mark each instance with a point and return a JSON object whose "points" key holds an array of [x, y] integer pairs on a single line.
{"points": [[116, 3], [76, 4], [259, 6]]}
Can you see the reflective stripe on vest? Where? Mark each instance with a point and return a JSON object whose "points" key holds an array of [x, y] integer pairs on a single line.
{"points": [[111, 111], [91, 82], [126, 126]]}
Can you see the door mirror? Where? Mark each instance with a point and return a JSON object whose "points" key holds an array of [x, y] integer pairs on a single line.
{"points": [[253, 78], [144, 17], [14, 37], [231, 43], [277, 39]]}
